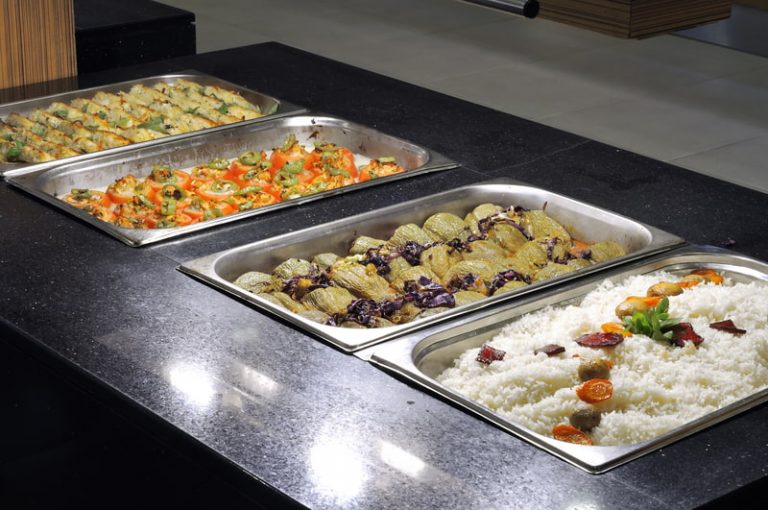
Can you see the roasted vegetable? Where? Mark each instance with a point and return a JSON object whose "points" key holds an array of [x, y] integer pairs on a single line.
{"points": [[540, 226], [439, 259], [360, 282], [483, 250], [605, 250], [585, 418], [254, 281], [420, 272], [410, 233], [445, 227], [364, 243], [293, 267], [330, 300]]}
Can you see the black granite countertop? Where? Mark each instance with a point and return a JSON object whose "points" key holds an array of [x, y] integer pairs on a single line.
{"points": [[295, 415]]}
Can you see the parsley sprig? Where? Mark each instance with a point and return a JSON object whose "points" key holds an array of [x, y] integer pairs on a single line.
{"points": [[654, 323]]}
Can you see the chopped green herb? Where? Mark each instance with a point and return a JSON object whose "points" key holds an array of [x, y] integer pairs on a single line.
{"points": [[15, 151], [192, 111], [38, 129], [155, 124], [122, 122], [102, 115], [654, 323], [61, 113], [223, 109]]}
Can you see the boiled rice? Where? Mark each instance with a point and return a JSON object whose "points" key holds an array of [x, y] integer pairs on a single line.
{"points": [[657, 387]]}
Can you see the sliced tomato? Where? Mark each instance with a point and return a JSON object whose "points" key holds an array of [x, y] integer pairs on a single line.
{"points": [[123, 189], [217, 190], [290, 151], [81, 198], [100, 212]]}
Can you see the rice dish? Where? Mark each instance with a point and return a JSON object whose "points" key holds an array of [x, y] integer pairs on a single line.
{"points": [[657, 386]]}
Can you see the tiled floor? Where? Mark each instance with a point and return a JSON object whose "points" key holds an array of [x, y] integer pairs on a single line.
{"points": [[699, 106]]}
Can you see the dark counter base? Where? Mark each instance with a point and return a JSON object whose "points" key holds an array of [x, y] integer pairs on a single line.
{"points": [[114, 33]]}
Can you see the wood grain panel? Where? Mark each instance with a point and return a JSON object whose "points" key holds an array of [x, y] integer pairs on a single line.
{"points": [[37, 41], [634, 18]]}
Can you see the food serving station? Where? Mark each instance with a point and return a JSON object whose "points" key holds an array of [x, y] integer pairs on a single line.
{"points": [[284, 414]]}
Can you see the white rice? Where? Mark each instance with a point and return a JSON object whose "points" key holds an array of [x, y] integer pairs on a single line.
{"points": [[656, 387]]}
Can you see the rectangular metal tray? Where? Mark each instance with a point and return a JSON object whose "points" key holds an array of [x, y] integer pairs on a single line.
{"points": [[586, 222], [48, 184], [273, 108], [421, 357]]}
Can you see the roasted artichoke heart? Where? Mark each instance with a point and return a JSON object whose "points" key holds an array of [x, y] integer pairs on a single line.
{"points": [[254, 281], [364, 243], [425, 270], [329, 300], [605, 250], [445, 227], [410, 232], [439, 258], [361, 282]]}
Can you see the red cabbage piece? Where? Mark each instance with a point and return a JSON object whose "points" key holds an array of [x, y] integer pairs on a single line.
{"points": [[488, 354], [684, 332], [550, 349], [600, 339], [728, 326]]}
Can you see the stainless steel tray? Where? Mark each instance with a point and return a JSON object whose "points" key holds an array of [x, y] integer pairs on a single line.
{"points": [[586, 222], [273, 108], [48, 184], [421, 357]]}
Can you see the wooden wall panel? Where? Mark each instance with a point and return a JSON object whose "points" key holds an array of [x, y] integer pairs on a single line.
{"points": [[37, 41], [634, 18]]}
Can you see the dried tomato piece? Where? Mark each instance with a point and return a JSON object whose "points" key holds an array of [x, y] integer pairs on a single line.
{"points": [[600, 339], [595, 390], [550, 349], [728, 326], [684, 332], [488, 354], [570, 434]]}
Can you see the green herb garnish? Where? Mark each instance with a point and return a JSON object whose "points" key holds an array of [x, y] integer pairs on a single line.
{"points": [[192, 111], [654, 323], [62, 113], [223, 109], [38, 129], [102, 115], [155, 124], [15, 151]]}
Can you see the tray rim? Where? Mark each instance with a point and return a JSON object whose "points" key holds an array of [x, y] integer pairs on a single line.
{"points": [[592, 459], [284, 109], [139, 237], [201, 268]]}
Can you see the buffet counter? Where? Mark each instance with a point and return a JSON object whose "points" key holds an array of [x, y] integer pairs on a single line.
{"points": [[296, 420]]}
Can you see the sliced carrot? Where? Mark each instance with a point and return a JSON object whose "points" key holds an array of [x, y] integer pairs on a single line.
{"points": [[615, 327], [595, 390], [570, 434]]}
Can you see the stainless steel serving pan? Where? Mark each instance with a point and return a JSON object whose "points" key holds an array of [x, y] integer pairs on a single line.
{"points": [[271, 107], [585, 222], [48, 184], [421, 357]]}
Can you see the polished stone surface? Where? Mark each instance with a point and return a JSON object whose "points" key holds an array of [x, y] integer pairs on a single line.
{"points": [[326, 429]]}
